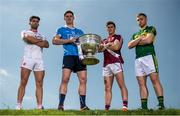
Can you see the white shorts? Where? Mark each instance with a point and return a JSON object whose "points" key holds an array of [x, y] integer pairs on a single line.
{"points": [[112, 69], [32, 64], [146, 65]]}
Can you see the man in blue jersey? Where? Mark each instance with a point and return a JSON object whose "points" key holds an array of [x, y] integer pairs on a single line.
{"points": [[67, 36]]}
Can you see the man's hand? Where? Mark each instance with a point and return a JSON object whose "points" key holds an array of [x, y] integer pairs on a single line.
{"points": [[73, 40], [43, 44], [101, 48], [108, 45]]}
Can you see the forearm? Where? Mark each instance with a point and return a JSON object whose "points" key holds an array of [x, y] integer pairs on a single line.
{"points": [[134, 43], [143, 42], [31, 40], [58, 41], [114, 47], [43, 44], [61, 41], [147, 40], [46, 44], [101, 48]]}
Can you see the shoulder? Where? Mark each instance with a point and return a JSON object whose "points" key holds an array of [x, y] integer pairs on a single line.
{"points": [[61, 29], [135, 35], [151, 29], [27, 32], [118, 37], [79, 30]]}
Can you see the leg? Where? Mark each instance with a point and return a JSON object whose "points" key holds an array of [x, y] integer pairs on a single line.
{"points": [[64, 81], [122, 86], [108, 82], [143, 90], [156, 84], [39, 76], [63, 87], [24, 79], [158, 88], [82, 76]]}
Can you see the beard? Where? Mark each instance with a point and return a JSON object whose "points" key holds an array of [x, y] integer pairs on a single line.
{"points": [[34, 26]]}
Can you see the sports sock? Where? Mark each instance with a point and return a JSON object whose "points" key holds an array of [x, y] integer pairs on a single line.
{"points": [[125, 103], [144, 103], [61, 99], [107, 107], [82, 100], [161, 101]]}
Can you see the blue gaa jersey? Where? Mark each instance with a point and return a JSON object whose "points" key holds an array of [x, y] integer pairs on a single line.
{"points": [[67, 33]]}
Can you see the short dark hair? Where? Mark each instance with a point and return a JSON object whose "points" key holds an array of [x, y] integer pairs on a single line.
{"points": [[69, 11], [110, 23], [34, 17], [142, 14]]}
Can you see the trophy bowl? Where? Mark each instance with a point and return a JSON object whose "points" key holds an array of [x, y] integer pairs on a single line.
{"points": [[89, 45]]}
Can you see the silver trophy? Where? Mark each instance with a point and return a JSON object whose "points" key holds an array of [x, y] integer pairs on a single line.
{"points": [[89, 44]]}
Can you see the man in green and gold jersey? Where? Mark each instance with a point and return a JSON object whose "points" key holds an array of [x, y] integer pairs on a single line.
{"points": [[146, 62]]}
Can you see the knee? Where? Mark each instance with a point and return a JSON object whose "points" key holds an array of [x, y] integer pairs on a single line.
{"points": [[23, 83], [65, 81], [107, 89], [141, 84], [155, 82], [39, 84], [83, 80]]}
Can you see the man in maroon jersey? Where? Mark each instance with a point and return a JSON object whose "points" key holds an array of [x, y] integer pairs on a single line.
{"points": [[112, 67]]}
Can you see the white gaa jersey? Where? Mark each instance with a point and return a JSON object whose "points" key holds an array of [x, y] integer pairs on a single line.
{"points": [[32, 50]]}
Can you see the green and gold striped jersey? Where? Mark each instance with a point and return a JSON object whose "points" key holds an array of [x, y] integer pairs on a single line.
{"points": [[143, 50]]}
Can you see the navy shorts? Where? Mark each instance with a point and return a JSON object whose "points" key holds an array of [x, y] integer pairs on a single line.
{"points": [[73, 63]]}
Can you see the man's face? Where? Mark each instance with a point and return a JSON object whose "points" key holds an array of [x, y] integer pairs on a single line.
{"points": [[69, 18], [142, 21], [34, 23], [111, 29]]}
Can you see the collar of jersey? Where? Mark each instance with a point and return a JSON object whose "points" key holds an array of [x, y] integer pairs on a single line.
{"points": [[143, 28], [33, 30], [69, 27]]}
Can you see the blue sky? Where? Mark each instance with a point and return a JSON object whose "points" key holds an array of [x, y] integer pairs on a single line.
{"points": [[91, 16]]}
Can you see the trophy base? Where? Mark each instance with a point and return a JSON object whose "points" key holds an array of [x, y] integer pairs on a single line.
{"points": [[90, 61]]}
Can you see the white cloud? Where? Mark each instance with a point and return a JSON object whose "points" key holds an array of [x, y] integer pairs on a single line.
{"points": [[3, 72]]}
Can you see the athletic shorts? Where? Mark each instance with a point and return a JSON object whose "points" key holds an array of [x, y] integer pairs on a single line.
{"points": [[73, 63], [112, 69], [146, 65], [32, 64]]}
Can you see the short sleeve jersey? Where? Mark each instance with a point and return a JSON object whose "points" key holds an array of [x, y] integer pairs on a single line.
{"points": [[67, 33], [148, 49], [32, 50], [108, 57]]}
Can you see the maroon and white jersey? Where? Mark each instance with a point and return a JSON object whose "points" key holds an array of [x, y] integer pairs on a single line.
{"points": [[108, 57]]}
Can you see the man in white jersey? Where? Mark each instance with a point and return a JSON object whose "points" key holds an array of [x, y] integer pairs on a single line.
{"points": [[32, 61]]}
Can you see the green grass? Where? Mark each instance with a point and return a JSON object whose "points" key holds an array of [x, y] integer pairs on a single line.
{"points": [[91, 112]]}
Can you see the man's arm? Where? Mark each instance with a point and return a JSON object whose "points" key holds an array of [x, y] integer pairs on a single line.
{"points": [[134, 43], [116, 45], [147, 40], [43, 44], [101, 48], [31, 39], [57, 40]]}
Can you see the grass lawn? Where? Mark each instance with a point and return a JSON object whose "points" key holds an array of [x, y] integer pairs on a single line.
{"points": [[91, 112]]}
